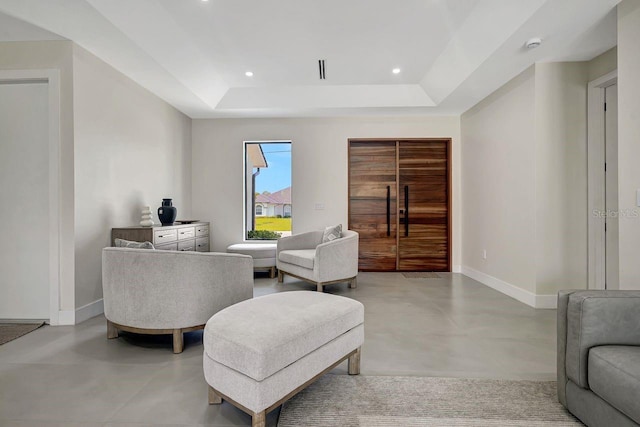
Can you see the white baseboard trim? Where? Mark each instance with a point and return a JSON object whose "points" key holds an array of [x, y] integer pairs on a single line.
{"points": [[456, 269], [80, 314], [90, 310], [547, 301], [526, 297]]}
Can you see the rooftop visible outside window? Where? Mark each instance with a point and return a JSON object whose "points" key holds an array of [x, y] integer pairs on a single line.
{"points": [[267, 189]]}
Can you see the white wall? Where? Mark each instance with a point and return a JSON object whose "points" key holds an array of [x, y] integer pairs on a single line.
{"points": [[561, 176], [498, 182], [131, 149], [525, 184], [24, 174], [629, 141], [603, 64], [56, 55], [319, 167]]}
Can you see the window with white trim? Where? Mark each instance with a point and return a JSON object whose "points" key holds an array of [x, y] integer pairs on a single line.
{"points": [[268, 207]]}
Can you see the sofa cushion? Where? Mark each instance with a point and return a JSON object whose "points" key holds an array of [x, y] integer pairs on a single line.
{"points": [[302, 257], [332, 233], [614, 375], [259, 337]]}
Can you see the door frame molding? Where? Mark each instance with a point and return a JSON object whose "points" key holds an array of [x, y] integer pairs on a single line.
{"points": [[52, 78], [449, 141], [596, 179]]}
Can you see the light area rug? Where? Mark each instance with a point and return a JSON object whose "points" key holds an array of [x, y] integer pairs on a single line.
{"points": [[359, 401], [11, 331]]}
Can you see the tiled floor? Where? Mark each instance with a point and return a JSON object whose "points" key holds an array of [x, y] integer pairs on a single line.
{"points": [[453, 326]]}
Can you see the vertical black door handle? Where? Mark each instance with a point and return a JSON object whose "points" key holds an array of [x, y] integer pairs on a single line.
{"points": [[388, 210], [406, 210]]}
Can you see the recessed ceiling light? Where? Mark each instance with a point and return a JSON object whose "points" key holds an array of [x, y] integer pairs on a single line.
{"points": [[396, 71], [248, 74]]}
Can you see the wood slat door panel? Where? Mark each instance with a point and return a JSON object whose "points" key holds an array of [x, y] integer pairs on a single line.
{"points": [[372, 169], [375, 190], [424, 171], [377, 254], [421, 165], [419, 263]]}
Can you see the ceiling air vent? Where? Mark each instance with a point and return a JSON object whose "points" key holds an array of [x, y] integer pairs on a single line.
{"points": [[323, 76]]}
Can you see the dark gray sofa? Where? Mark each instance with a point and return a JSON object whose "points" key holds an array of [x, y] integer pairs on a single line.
{"points": [[599, 356]]}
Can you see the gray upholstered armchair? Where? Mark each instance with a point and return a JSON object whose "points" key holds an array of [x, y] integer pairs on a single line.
{"points": [[305, 257], [599, 356], [170, 292]]}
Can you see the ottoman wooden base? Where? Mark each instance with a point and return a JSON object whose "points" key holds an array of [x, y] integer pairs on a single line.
{"points": [[258, 419]]}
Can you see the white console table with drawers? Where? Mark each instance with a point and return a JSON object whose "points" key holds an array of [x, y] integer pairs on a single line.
{"points": [[177, 237]]}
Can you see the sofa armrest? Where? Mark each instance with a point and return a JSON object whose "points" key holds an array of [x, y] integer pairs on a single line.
{"points": [[595, 318], [307, 240], [337, 259]]}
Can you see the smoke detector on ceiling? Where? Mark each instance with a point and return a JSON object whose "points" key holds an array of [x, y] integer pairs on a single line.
{"points": [[533, 43]]}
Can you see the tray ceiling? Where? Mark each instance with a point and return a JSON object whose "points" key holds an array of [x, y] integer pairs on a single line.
{"points": [[194, 54]]}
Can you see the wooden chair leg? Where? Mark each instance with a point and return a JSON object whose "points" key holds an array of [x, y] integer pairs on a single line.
{"points": [[112, 331], [319, 287], [272, 272], [178, 341], [280, 276], [353, 283], [354, 363], [259, 419], [214, 398]]}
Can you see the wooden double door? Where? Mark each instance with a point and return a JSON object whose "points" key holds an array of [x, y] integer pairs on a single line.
{"points": [[400, 203]]}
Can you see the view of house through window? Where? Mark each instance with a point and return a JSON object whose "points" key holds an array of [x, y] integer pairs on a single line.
{"points": [[268, 189]]}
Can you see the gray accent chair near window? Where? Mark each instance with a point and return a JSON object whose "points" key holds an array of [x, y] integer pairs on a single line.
{"points": [[170, 292], [599, 356], [305, 257]]}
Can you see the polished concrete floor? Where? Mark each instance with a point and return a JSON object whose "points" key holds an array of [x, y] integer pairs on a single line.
{"points": [[447, 327]]}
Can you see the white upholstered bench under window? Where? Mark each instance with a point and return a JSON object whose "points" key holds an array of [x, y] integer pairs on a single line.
{"points": [[263, 254]]}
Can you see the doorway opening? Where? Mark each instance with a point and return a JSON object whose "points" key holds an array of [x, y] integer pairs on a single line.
{"points": [[602, 153], [30, 117]]}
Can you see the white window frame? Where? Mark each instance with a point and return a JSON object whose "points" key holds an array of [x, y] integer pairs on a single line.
{"points": [[245, 230]]}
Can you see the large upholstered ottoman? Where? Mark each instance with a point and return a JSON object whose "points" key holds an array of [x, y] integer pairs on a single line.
{"points": [[260, 352], [263, 254]]}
